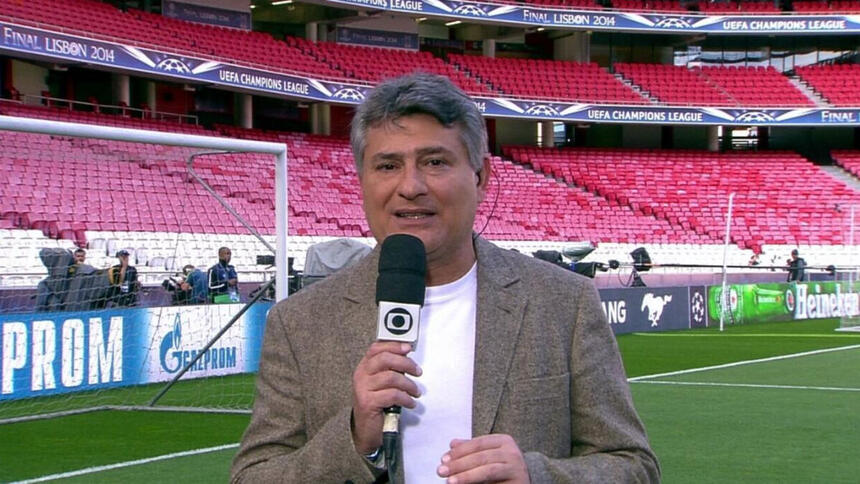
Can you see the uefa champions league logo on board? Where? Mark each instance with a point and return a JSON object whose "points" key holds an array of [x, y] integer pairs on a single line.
{"points": [[673, 23], [755, 117], [172, 64], [470, 9], [542, 110], [348, 94]]}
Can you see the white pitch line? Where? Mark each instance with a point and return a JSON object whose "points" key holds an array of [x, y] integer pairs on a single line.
{"points": [[748, 385], [120, 465], [668, 334], [741, 363]]}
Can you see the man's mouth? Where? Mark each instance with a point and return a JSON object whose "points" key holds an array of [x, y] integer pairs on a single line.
{"points": [[413, 214]]}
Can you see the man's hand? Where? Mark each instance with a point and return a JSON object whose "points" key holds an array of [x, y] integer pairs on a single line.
{"points": [[489, 458], [232, 282], [379, 382]]}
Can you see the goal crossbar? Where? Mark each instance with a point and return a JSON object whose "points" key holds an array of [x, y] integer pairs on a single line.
{"points": [[279, 150]]}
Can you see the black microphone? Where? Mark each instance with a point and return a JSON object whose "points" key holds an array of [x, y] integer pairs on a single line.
{"points": [[399, 295]]}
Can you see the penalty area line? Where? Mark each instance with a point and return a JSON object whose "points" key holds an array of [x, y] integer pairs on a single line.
{"points": [[748, 385], [741, 363], [120, 465]]}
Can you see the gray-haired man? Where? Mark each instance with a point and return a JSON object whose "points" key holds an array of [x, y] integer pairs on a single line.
{"points": [[516, 376]]}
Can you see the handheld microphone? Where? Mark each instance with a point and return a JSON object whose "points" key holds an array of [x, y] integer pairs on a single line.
{"points": [[399, 295]]}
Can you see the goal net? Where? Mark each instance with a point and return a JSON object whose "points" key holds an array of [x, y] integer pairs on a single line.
{"points": [[115, 277]]}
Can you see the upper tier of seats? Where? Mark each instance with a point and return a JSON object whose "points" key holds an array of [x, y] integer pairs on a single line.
{"points": [[714, 86], [363, 63], [548, 79], [839, 84], [819, 6], [533, 79], [782, 198]]}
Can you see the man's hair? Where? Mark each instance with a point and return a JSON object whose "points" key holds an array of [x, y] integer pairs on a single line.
{"points": [[80, 251], [421, 93], [223, 248]]}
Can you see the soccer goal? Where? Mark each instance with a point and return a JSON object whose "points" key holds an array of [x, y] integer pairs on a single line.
{"points": [[78, 335], [849, 280]]}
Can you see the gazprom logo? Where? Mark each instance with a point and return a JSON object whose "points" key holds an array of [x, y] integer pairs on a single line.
{"points": [[172, 340], [174, 356]]}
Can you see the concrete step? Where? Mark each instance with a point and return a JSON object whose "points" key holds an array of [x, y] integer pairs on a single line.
{"points": [[838, 173], [807, 91]]}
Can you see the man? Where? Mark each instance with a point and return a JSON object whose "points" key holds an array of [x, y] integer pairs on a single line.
{"points": [[189, 288], [516, 376], [796, 267], [123, 281], [80, 256], [223, 281]]}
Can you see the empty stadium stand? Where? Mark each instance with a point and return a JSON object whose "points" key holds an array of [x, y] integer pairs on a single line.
{"points": [[829, 7], [362, 63], [781, 199], [548, 79], [839, 84], [714, 86], [848, 160], [674, 84]]}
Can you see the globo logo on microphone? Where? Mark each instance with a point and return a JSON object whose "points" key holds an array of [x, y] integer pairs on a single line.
{"points": [[398, 321]]}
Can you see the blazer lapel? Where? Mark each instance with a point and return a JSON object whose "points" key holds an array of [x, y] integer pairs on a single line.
{"points": [[358, 309], [500, 311]]}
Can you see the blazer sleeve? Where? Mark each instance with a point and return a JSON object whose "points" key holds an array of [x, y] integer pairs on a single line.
{"points": [[276, 446], [609, 443]]}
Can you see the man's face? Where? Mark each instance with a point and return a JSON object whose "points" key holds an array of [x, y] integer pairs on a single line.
{"points": [[80, 257], [416, 180], [224, 255]]}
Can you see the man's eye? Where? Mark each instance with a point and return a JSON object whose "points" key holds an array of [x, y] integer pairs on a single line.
{"points": [[385, 166], [435, 162]]}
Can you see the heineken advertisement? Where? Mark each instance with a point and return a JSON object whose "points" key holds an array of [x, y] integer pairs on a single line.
{"points": [[772, 302]]}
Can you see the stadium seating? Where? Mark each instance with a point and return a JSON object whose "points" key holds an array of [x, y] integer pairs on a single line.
{"points": [[649, 5], [674, 84], [847, 159], [737, 8], [548, 79], [575, 4], [714, 86], [362, 63], [839, 84], [830, 7], [781, 197], [756, 86]]}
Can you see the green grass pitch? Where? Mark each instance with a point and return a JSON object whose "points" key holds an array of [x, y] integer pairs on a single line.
{"points": [[785, 420]]}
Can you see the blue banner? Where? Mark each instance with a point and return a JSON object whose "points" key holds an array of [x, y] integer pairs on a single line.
{"points": [[54, 353], [206, 15], [644, 309], [377, 38], [56, 47], [651, 22]]}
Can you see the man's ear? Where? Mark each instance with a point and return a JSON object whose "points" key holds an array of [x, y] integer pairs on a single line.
{"points": [[483, 178]]}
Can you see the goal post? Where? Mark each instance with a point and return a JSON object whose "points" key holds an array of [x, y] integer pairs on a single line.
{"points": [[60, 128], [99, 352]]}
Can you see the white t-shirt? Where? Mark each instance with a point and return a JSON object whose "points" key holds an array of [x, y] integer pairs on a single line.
{"points": [[446, 354]]}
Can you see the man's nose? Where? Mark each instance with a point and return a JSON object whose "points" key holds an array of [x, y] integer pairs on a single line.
{"points": [[412, 183]]}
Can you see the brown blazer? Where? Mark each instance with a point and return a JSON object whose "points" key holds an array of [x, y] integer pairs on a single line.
{"points": [[547, 372]]}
